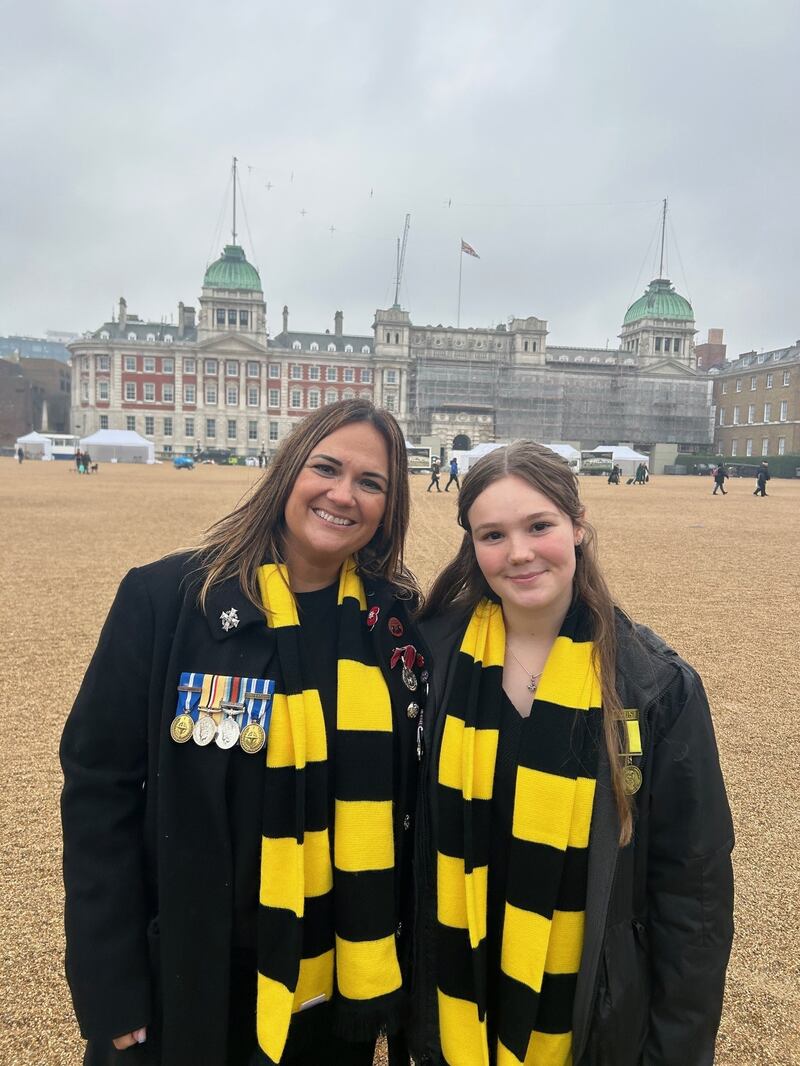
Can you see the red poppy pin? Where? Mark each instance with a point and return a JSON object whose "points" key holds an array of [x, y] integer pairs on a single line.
{"points": [[372, 616]]}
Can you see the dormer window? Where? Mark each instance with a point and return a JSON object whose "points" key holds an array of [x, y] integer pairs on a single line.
{"points": [[168, 338], [563, 358], [313, 347], [331, 347], [630, 362], [579, 359], [151, 337], [131, 336], [104, 335], [610, 359], [365, 350], [296, 345], [348, 347]]}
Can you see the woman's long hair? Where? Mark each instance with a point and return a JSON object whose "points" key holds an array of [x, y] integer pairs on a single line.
{"points": [[462, 583], [241, 541]]}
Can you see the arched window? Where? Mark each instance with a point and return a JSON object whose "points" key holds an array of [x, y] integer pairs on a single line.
{"points": [[131, 336], [314, 347], [151, 337], [563, 359], [595, 359], [331, 347], [610, 359], [461, 443], [365, 350], [525, 346], [104, 335], [348, 347], [168, 338], [579, 359], [296, 345]]}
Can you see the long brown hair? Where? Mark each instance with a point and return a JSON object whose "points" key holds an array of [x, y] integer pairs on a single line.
{"points": [[462, 583], [241, 541]]}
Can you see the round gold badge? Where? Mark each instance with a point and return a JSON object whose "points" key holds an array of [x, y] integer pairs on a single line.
{"points": [[631, 779], [252, 738], [181, 728]]}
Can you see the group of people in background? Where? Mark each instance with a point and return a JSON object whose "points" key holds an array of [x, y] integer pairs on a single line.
{"points": [[436, 468], [721, 475], [83, 462]]}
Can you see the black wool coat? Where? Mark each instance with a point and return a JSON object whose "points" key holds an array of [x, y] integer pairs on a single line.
{"points": [[149, 848], [659, 912]]}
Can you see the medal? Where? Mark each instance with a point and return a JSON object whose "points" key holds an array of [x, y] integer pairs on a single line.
{"points": [[252, 738], [412, 710], [631, 779], [409, 679], [204, 730], [181, 728], [228, 733]]}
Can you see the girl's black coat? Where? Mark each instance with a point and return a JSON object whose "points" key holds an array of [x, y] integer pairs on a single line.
{"points": [[148, 848], [659, 914]]}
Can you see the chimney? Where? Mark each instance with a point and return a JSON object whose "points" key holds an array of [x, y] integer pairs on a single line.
{"points": [[123, 313], [181, 318], [188, 318], [338, 319], [285, 318]]}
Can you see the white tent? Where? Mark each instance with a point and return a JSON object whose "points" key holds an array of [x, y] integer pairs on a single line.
{"points": [[566, 451], [119, 446], [35, 446], [626, 458], [470, 458]]}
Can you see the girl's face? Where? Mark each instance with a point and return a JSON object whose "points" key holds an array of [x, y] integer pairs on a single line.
{"points": [[525, 547]]}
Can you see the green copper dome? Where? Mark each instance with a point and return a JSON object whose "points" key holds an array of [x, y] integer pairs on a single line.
{"points": [[232, 271], [660, 301]]}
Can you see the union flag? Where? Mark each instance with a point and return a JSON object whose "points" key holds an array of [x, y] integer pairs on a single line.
{"points": [[468, 249]]}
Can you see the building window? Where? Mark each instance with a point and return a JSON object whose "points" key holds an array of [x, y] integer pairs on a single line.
{"points": [[769, 381], [722, 416], [295, 372], [786, 377], [767, 412], [753, 383], [366, 395], [397, 338], [232, 395], [252, 369], [210, 367], [244, 318], [784, 410], [348, 394], [313, 373], [231, 316], [296, 345], [168, 426], [168, 393], [390, 401], [130, 362], [211, 393], [313, 347], [149, 392], [211, 427], [734, 447], [736, 416], [103, 362], [104, 335], [273, 431], [330, 373], [366, 377], [189, 394], [751, 413], [189, 366], [765, 445], [748, 446], [365, 350], [102, 390], [295, 398], [274, 370], [331, 347], [131, 337], [388, 337], [525, 346], [313, 398], [667, 344], [349, 374], [130, 423], [188, 427], [168, 339], [231, 429], [231, 369], [724, 387], [149, 425], [104, 421], [348, 347], [658, 344], [781, 445], [391, 377], [252, 430], [167, 366], [149, 365], [330, 396], [220, 316], [676, 345], [130, 391], [252, 395], [738, 384], [274, 397]]}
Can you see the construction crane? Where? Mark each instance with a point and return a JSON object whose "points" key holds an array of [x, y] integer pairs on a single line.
{"points": [[401, 259]]}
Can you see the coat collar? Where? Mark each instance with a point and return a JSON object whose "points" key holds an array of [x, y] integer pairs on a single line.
{"points": [[229, 612]]}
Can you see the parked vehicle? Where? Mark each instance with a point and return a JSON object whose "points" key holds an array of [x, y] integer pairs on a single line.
{"points": [[183, 462], [220, 456]]}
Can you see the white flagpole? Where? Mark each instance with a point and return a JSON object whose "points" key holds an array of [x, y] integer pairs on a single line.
{"points": [[460, 266]]}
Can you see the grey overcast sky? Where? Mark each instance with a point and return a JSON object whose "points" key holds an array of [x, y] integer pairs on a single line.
{"points": [[543, 133]]}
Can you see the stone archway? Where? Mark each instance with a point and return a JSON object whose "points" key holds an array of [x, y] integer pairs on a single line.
{"points": [[461, 443]]}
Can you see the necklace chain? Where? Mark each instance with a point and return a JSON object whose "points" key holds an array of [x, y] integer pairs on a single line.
{"points": [[534, 678]]}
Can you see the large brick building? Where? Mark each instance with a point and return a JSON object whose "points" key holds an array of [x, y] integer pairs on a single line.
{"points": [[757, 404]]}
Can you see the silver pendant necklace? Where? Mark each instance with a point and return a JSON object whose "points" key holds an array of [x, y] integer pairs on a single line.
{"points": [[533, 678]]}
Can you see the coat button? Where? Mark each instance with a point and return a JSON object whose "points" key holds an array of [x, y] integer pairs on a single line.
{"points": [[407, 821], [412, 710]]}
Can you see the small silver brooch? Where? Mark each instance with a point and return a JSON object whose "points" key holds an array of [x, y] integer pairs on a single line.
{"points": [[229, 619]]}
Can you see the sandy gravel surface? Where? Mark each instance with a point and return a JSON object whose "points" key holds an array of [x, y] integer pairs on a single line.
{"points": [[717, 577]]}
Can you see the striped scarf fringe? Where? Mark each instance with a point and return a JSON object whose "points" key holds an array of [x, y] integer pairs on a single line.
{"points": [[544, 913], [323, 925]]}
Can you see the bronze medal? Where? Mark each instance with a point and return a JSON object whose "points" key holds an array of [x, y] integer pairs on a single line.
{"points": [[204, 730], [252, 738], [631, 779], [181, 728]]}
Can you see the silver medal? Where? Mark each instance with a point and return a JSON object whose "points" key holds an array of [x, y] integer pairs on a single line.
{"points": [[409, 679], [227, 734], [204, 730]]}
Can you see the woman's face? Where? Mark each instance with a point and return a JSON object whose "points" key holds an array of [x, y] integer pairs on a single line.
{"points": [[338, 499], [525, 547]]}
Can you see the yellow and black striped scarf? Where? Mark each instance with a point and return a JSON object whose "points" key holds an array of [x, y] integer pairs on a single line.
{"points": [[326, 925], [544, 913]]}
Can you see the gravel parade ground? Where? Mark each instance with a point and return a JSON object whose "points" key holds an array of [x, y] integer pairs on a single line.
{"points": [[716, 576]]}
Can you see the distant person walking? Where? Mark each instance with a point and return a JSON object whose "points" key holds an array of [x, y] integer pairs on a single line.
{"points": [[78, 460], [453, 475], [20, 455], [641, 475], [435, 467], [719, 479], [613, 477], [762, 477]]}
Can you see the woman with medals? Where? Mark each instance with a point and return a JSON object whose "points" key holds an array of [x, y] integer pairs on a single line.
{"points": [[240, 774], [575, 888]]}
